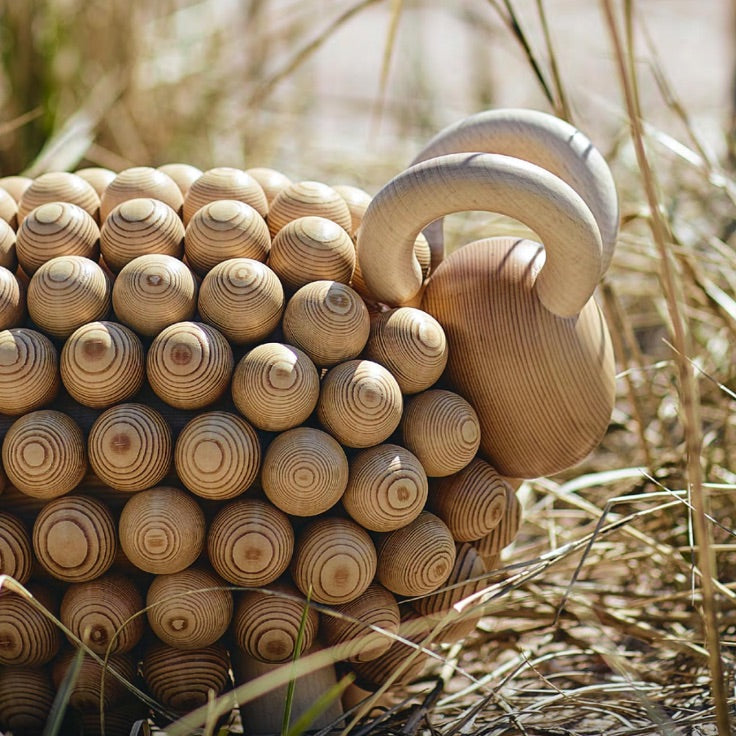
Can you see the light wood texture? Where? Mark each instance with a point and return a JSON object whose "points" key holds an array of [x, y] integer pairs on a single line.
{"points": [[217, 455], [26, 696], [15, 185], [56, 229], [328, 321], [387, 488], [8, 257], [44, 454], [28, 638], [266, 625], [243, 299], [375, 607], [140, 182], [442, 430], [304, 472], [162, 530], [138, 227], [130, 447], [225, 229], [417, 558], [490, 546], [66, 293], [360, 403], [16, 552], [12, 300], [59, 186], [411, 344], [224, 182], [304, 198], [250, 542], [271, 181], [97, 177], [29, 370], [275, 386], [101, 613], [154, 291], [74, 538], [189, 609], [8, 209], [357, 201], [183, 175], [312, 249], [189, 365], [335, 559], [102, 363]]}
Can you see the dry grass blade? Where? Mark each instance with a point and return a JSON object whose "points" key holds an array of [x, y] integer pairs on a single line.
{"points": [[397, 7], [562, 108]]}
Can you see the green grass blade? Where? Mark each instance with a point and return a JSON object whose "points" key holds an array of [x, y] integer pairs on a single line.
{"points": [[289, 703], [319, 706], [63, 695]]}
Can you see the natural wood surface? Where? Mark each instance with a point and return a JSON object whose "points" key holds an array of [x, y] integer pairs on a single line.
{"points": [[328, 321], [44, 454], [271, 181], [360, 403], [183, 175], [334, 560], [59, 186], [489, 547], [242, 298], [67, 292], [189, 609], [357, 201], [21, 505], [102, 363], [101, 613], [387, 488], [224, 182], [162, 530], [266, 625], [250, 542], [139, 226], [12, 300], [217, 455], [223, 229], [56, 229], [16, 552], [8, 209], [304, 198], [28, 638], [15, 185], [8, 257], [312, 249], [304, 472], [26, 696], [140, 182], [130, 447], [74, 538], [411, 344], [154, 291], [97, 177]]}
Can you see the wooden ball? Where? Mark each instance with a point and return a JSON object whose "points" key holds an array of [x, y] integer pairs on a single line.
{"points": [[44, 454], [189, 365], [189, 609], [217, 455], [225, 229], [305, 198], [243, 299], [183, 175], [130, 447], [15, 185], [8, 209], [411, 344], [138, 227], [29, 370], [266, 625], [102, 363], [417, 558], [26, 697], [16, 552], [442, 429], [183, 679], [56, 229], [224, 182], [28, 637], [471, 502], [102, 612], [12, 300], [97, 177], [66, 293], [334, 559], [309, 249], [74, 538], [328, 321], [360, 403], [154, 291], [140, 182], [250, 542], [271, 181], [305, 472], [8, 257], [490, 546], [162, 530], [357, 201], [59, 186], [387, 488], [275, 386], [375, 607]]}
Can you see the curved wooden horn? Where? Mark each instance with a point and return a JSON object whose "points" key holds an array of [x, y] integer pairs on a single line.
{"points": [[541, 139], [481, 181]]}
